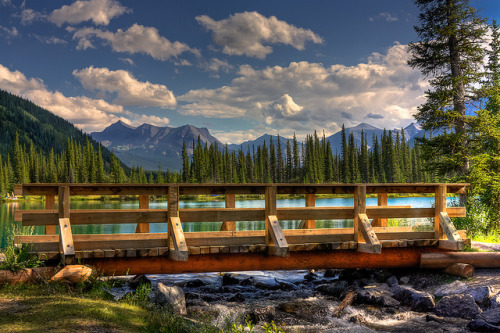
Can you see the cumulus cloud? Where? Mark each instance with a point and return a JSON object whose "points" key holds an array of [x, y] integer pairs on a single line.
{"points": [[216, 65], [250, 33], [29, 16], [136, 39], [129, 90], [52, 40], [333, 95], [98, 11], [85, 113]]}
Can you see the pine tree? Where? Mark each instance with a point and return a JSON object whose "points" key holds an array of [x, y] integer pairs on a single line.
{"points": [[449, 51]]}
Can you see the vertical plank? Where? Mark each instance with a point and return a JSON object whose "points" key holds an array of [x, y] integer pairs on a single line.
{"points": [[179, 250], [63, 201], [310, 202], [173, 210], [440, 206], [270, 208], [50, 204], [143, 204], [359, 208], [65, 235], [230, 203], [381, 201]]}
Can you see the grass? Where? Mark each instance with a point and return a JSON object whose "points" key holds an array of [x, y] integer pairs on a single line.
{"points": [[493, 237]]}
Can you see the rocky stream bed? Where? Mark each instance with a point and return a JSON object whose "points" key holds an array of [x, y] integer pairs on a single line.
{"points": [[361, 300]]}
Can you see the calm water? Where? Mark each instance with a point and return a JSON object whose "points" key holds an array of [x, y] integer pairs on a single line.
{"points": [[7, 214]]}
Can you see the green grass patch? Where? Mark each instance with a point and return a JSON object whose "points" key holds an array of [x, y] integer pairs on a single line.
{"points": [[493, 237]]}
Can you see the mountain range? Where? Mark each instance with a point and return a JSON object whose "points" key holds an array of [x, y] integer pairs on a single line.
{"points": [[149, 145]]}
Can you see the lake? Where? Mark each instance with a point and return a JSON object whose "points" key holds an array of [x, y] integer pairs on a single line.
{"points": [[7, 214]]}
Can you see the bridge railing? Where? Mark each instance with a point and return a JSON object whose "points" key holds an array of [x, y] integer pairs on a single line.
{"points": [[365, 235]]}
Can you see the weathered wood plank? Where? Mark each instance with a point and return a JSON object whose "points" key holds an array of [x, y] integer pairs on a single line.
{"points": [[221, 214], [278, 238], [143, 204], [440, 206], [270, 210], [310, 202], [179, 251], [448, 227], [50, 204], [359, 208], [369, 236], [446, 244], [230, 201], [381, 202]]}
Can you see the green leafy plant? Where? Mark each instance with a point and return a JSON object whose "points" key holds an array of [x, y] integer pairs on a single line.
{"points": [[272, 328]]}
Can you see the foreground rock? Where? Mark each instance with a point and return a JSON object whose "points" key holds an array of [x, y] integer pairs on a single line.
{"points": [[456, 287], [418, 300], [172, 296], [488, 321], [73, 274], [377, 295], [481, 295], [461, 306]]}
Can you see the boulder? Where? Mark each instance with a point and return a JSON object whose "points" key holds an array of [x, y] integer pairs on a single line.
{"points": [[73, 274], [330, 273], [459, 305], [119, 293], [237, 298], [404, 280], [417, 300], [381, 275], [138, 280], [456, 287], [310, 276], [488, 321], [334, 289], [376, 296], [392, 281], [495, 301], [481, 294], [196, 283], [228, 280], [172, 296]]}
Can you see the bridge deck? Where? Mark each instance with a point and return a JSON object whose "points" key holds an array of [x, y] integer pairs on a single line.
{"points": [[370, 242]]}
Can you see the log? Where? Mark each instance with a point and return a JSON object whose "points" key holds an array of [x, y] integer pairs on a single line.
{"points": [[73, 274], [460, 270], [445, 259], [348, 299]]}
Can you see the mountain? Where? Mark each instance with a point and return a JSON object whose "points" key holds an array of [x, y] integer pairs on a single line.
{"points": [[33, 123], [149, 145], [259, 142]]}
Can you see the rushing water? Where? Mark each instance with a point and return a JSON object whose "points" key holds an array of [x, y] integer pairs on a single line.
{"points": [[7, 214]]}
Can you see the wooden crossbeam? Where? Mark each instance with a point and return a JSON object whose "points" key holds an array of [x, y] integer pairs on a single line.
{"points": [[178, 249], [372, 244], [454, 241], [279, 246]]}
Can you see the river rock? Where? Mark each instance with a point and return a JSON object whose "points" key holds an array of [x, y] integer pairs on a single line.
{"points": [[196, 283], [138, 280], [459, 305], [456, 287], [392, 281], [381, 275], [376, 296], [118, 293], [172, 296], [495, 301], [481, 295], [488, 321], [418, 300], [404, 280], [310, 276], [334, 289], [304, 308], [330, 273], [266, 314], [228, 280], [247, 282]]}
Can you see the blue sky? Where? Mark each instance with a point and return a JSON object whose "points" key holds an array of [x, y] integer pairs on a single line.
{"points": [[239, 68]]}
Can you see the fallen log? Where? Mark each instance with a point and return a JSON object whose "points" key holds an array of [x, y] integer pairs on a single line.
{"points": [[27, 275], [460, 270], [73, 274], [445, 259], [348, 299]]}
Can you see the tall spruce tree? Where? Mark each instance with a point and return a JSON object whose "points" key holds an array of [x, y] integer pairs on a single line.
{"points": [[449, 52]]}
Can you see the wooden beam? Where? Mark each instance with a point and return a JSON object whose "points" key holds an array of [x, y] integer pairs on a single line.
{"points": [[440, 206], [381, 202], [359, 208], [450, 232], [389, 258], [50, 204], [66, 241], [371, 245], [230, 200], [143, 204], [63, 198], [179, 250], [444, 259], [279, 246], [270, 210], [315, 213], [309, 223]]}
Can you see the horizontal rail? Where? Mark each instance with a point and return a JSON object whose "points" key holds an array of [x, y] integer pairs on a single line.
{"points": [[118, 216], [220, 189]]}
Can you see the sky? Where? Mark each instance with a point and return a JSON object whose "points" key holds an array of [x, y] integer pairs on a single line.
{"points": [[240, 68]]}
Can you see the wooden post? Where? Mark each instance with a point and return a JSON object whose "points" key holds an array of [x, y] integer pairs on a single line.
{"points": [[359, 208], [440, 204], [454, 240], [275, 239], [270, 208], [50, 204], [143, 204], [65, 234], [372, 244], [176, 250], [310, 202], [230, 203], [381, 201]]}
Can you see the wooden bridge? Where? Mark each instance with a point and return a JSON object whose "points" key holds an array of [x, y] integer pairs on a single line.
{"points": [[367, 244]]}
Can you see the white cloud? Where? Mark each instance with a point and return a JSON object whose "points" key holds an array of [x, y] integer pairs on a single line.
{"points": [[9, 33], [53, 40], [250, 33], [388, 17], [29, 16], [85, 113], [129, 90], [216, 65], [127, 61], [98, 11], [323, 97], [137, 39]]}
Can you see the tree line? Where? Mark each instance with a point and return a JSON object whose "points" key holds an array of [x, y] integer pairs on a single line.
{"points": [[389, 159]]}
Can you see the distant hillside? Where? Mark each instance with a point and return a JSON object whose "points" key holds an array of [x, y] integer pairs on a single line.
{"points": [[148, 145], [33, 123]]}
